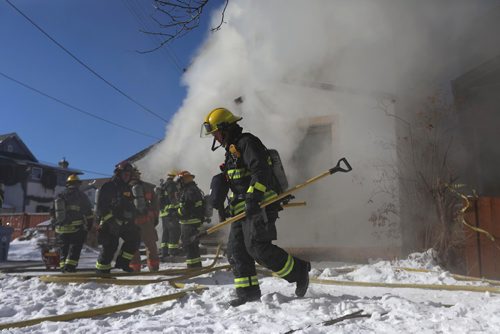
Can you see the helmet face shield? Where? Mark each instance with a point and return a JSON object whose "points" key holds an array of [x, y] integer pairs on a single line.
{"points": [[206, 129]]}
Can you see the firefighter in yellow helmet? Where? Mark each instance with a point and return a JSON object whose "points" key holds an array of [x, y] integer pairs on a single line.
{"points": [[169, 204], [191, 216], [72, 217], [249, 175]]}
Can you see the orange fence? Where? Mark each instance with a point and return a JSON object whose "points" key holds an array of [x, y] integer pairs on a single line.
{"points": [[21, 221], [482, 254]]}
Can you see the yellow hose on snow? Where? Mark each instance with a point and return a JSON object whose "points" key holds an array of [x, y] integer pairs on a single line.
{"points": [[102, 311]]}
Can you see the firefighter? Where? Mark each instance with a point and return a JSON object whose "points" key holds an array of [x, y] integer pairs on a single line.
{"points": [[146, 219], [251, 179], [169, 204], [191, 216], [72, 217], [116, 212]]}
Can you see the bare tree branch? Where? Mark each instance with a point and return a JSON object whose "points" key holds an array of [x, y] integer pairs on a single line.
{"points": [[221, 19], [176, 18]]}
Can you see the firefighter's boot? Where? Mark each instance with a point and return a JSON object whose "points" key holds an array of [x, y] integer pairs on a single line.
{"points": [[69, 268], [164, 254], [246, 295], [153, 265], [123, 264], [136, 267], [303, 279]]}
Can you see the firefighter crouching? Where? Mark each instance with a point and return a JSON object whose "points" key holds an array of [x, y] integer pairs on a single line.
{"points": [[146, 205], [116, 211], [251, 179], [72, 217], [169, 204], [191, 215]]}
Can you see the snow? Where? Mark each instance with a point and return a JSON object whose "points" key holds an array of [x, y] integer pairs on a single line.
{"points": [[392, 310]]}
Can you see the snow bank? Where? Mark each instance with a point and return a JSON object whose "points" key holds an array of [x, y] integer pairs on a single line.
{"points": [[278, 311]]}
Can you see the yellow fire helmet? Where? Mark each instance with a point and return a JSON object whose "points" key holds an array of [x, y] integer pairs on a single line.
{"points": [[218, 119], [173, 173], [73, 178]]}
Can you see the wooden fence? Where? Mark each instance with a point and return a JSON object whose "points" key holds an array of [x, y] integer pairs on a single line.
{"points": [[481, 253], [21, 221]]}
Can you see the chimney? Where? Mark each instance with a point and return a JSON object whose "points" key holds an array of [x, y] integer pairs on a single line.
{"points": [[63, 163]]}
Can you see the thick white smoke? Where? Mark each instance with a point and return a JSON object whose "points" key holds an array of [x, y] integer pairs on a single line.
{"points": [[294, 61]]}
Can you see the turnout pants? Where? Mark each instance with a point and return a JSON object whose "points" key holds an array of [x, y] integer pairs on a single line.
{"points": [[149, 237], [192, 248], [170, 237], [109, 234], [70, 248], [250, 241]]}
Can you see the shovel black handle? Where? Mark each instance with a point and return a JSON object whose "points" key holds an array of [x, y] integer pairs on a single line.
{"points": [[339, 168]]}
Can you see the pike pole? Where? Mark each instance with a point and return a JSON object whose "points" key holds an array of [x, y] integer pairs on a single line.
{"points": [[283, 195]]}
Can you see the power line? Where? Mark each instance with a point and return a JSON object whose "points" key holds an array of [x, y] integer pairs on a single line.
{"points": [[92, 172], [75, 108], [83, 170], [85, 65]]}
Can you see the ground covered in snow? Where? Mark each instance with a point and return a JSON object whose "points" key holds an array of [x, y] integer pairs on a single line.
{"points": [[387, 310]]}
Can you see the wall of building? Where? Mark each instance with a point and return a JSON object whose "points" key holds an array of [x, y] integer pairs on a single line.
{"points": [[358, 210], [14, 197], [46, 196]]}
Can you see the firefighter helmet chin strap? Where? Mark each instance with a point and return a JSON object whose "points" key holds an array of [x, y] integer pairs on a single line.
{"points": [[222, 136], [214, 143]]}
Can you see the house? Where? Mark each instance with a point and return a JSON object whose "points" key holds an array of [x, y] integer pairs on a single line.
{"points": [[29, 185]]}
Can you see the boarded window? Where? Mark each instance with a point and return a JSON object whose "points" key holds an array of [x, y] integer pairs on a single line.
{"points": [[314, 154], [36, 173]]}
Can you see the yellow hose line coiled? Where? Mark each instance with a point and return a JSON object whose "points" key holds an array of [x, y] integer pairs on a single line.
{"points": [[455, 276], [461, 214], [74, 279], [316, 280], [62, 279], [166, 272], [408, 285], [103, 310]]}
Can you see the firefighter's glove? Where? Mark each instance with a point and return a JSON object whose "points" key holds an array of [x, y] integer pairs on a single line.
{"points": [[252, 207], [223, 214]]}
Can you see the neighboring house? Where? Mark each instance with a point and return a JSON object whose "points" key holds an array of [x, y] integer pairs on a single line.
{"points": [[30, 186]]}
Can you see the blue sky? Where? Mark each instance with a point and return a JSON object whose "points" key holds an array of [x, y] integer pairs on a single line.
{"points": [[105, 35]]}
